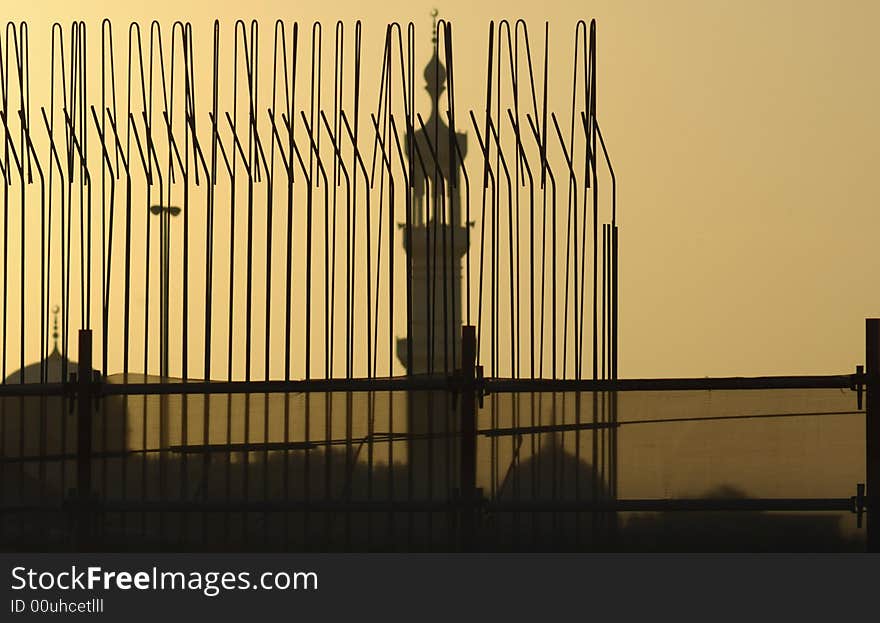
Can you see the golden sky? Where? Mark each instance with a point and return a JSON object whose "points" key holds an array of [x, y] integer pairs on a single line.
{"points": [[745, 143]]}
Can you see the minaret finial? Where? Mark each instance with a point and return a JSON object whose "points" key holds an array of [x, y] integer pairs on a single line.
{"points": [[435, 73], [55, 311]]}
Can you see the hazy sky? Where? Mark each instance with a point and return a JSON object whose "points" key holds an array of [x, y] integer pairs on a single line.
{"points": [[745, 141]]}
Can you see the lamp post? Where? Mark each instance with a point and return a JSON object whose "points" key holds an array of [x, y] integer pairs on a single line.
{"points": [[164, 213]]}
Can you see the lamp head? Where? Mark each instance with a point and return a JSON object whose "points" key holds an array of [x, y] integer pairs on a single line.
{"points": [[158, 209]]}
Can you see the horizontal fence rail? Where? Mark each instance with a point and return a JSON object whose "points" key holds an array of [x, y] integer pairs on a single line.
{"points": [[369, 474], [831, 381]]}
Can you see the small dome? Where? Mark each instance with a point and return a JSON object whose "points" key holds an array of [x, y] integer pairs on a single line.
{"points": [[435, 76], [54, 366]]}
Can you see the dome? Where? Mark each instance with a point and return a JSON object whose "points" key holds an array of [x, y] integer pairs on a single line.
{"points": [[435, 76], [54, 366]]}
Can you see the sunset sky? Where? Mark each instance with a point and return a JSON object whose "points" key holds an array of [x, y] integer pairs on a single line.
{"points": [[745, 141]]}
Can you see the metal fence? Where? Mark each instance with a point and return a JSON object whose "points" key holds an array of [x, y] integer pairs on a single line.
{"points": [[279, 256], [304, 227], [440, 463]]}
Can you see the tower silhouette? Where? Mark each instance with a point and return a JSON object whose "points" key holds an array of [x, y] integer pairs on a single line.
{"points": [[435, 243], [439, 239]]}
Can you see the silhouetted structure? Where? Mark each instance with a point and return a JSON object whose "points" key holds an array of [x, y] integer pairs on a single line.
{"points": [[321, 460], [438, 241], [435, 242]]}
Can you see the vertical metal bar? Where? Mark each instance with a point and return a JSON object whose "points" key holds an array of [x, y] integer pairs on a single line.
{"points": [[390, 231], [24, 154], [355, 157], [614, 308], [371, 410], [84, 439], [468, 482], [410, 190], [486, 174], [211, 194], [3, 487], [605, 301], [289, 240], [6, 183], [233, 170], [390, 470], [872, 432], [591, 155]]}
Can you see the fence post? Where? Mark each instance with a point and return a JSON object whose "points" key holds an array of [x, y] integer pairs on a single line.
{"points": [[872, 433], [84, 441], [468, 475]]}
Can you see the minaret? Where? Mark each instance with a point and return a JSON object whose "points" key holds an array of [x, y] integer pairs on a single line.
{"points": [[439, 238], [435, 248]]}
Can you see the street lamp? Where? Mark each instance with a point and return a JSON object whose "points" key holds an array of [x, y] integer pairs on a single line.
{"points": [[165, 213]]}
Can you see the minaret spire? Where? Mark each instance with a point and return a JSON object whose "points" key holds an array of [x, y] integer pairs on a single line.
{"points": [[435, 72], [55, 311]]}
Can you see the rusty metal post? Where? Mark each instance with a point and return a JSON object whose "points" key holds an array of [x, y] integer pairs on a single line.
{"points": [[468, 476], [872, 432], [84, 440]]}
